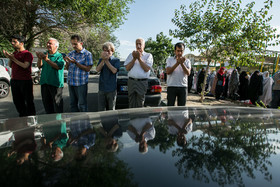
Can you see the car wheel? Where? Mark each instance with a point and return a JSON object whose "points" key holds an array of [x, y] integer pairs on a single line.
{"points": [[4, 89]]}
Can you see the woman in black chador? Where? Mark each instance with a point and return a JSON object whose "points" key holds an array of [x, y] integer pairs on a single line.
{"points": [[255, 87], [190, 80], [200, 80], [243, 86]]}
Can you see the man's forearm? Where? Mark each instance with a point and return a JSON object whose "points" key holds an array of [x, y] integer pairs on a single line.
{"points": [[130, 64], [185, 69], [39, 63], [144, 66], [83, 67], [100, 66], [10, 63], [21, 64], [112, 68], [170, 70], [52, 64]]}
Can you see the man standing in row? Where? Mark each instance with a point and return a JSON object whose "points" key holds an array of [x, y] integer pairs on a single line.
{"points": [[108, 65], [78, 63], [52, 77], [178, 69], [138, 64], [21, 82]]}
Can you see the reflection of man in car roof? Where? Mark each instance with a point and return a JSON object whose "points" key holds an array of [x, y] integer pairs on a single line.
{"points": [[141, 130], [81, 136], [179, 124], [111, 131], [55, 138], [24, 143]]}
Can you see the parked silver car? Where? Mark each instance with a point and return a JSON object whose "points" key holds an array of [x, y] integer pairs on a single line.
{"points": [[4, 82]]}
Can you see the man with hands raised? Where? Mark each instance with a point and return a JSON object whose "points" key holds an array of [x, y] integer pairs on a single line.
{"points": [[108, 66], [177, 69], [78, 64], [138, 64], [21, 83], [52, 77]]}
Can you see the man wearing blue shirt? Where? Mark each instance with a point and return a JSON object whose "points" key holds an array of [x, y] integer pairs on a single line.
{"points": [[78, 63], [108, 66]]}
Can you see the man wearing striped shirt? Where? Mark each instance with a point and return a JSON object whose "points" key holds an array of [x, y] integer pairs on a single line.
{"points": [[78, 63]]}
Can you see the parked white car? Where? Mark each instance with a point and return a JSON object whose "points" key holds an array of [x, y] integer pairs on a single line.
{"points": [[4, 62], [4, 82], [34, 69]]}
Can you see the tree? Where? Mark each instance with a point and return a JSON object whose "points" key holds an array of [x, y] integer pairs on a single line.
{"points": [[223, 30], [31, 18], [93, 39], [161, 48]]}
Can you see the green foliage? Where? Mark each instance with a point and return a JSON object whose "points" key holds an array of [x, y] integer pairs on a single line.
{"points": [[223, 29], [227, 154], [161, 49], [93, 38], [163, 139], [37, 17], [5, 44]]}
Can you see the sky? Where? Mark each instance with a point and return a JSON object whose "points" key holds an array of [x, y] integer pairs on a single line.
{"points": [[147, 18]]}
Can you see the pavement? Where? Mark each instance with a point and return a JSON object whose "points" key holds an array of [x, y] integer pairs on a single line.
{"points": [[193, 99]]}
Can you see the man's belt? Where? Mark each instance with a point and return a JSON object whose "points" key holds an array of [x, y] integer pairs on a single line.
{"points": [[137, 79]]}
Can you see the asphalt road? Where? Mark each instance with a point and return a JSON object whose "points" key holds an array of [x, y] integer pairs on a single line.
{"points": [[8, 110]]}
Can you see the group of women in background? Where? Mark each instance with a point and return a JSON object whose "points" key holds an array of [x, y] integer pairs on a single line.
{"points": [[255, 89]]}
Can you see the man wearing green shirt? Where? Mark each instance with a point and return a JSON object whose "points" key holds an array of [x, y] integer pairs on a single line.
{"points": [[52, 77], [55, 137]]}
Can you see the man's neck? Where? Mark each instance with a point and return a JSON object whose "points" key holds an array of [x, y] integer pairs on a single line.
{"points": [[52, 52], [20, 49], [79, 50]]}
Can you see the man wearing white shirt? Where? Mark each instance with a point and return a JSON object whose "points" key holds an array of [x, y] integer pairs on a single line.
{"points": [[177, 69], [179, 124], [138, 64], [141, 130]]}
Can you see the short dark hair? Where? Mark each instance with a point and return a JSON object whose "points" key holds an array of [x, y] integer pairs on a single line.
{"points": [[179, 45], [20, 39], [77, 37]]}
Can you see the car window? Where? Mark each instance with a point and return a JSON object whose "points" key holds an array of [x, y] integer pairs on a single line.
{"points": [[6, 60], [122, 71], [152, 74]]}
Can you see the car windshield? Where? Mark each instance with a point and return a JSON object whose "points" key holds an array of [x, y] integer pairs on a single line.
{"points": [[166, 146]]}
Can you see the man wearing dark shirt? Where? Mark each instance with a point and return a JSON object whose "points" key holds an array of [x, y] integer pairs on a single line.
{"points": [[21, 82], [108, 66]]}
